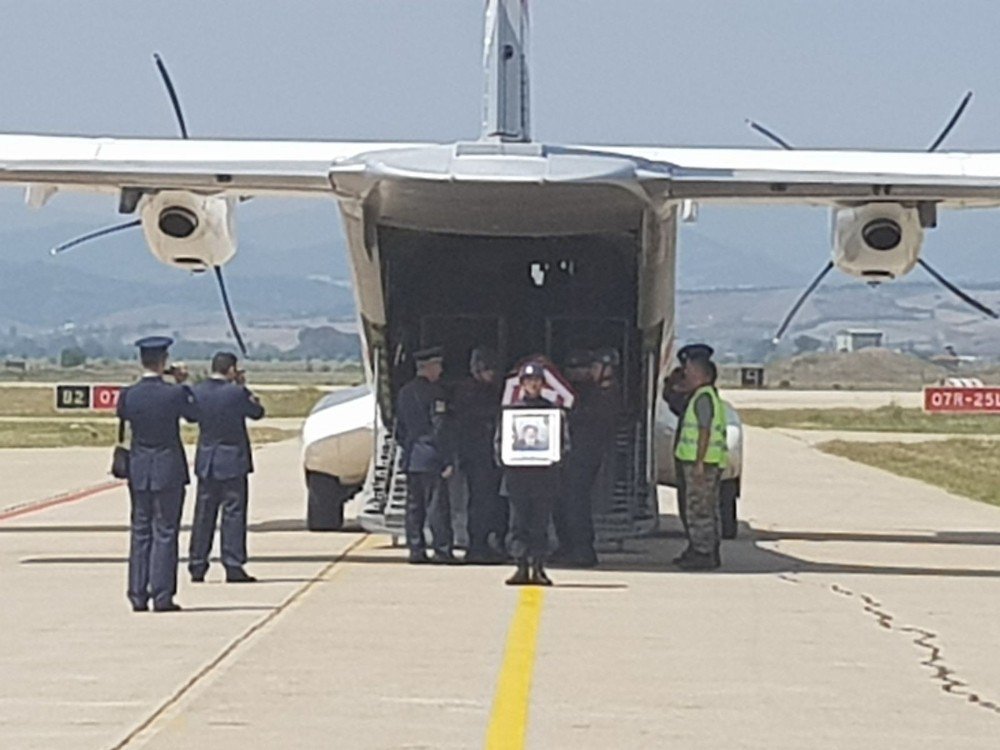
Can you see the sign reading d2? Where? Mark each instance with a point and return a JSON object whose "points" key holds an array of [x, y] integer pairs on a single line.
{"points": [[105, 397], [962, 400], [72, 397]]}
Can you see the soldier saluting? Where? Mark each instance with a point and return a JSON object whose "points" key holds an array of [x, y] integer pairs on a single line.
{"points": [[157, 474], [222, 463], [477, 407]]}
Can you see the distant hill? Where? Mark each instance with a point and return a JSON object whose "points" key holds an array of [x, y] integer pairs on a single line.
{"points": [[870, 368], [739, 272], [43, 295], [917, 317]]}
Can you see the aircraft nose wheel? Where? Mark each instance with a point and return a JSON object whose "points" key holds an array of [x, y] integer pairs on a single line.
{"points": [[325, 506]]}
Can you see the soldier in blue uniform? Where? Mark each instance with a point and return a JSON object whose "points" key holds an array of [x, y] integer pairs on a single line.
{"points": [[477, 407], [222, 463], [576, 368], [424, 434], [592, 425], [158, 475]]}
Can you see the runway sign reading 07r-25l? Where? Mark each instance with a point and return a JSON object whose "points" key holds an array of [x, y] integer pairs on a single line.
{"points": [[950, 400]]}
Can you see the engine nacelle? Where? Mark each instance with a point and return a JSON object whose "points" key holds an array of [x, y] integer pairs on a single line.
{"points": [[877, 241], [188, 230]]}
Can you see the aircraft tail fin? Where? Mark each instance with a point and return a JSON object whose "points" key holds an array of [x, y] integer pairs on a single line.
{"points": [[506, 114]]}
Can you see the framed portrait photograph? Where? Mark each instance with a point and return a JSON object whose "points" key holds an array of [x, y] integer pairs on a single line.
{"points": [[531, 437]]}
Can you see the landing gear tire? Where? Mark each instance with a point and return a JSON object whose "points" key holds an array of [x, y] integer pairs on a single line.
{"points": [[325, 505], [729, 492]]}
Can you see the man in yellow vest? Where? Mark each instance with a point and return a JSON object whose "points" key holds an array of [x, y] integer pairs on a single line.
{"points": [[702, 455]]}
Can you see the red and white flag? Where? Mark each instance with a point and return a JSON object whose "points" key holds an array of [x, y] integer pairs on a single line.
{"points": [[556, 388]]}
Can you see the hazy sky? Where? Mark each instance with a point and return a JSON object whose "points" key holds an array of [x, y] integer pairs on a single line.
{"points": [[876, 73]]}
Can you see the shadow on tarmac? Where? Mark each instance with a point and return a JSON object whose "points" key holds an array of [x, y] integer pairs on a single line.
{"points": [[742, 556], [229, 608], [745, 556], [970, 538], [277, 526], [265, 527], [978, 538]]}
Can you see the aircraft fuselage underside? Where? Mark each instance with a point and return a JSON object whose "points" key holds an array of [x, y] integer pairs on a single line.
{"points": [[540, 256]]}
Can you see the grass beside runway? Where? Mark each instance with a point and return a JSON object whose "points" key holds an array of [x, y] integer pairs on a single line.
{"points": [[963, 466], [40, 402], [883, 419], [68, 433], [295, 402]]}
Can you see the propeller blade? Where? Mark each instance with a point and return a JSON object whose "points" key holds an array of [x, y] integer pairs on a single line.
{"points": [[770, 135], [229, 310], [172, 93], [801, 301], [956, 291], [63, 247], [952, 122]]}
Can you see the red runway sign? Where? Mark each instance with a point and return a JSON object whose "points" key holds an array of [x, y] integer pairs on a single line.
{"points": [[948, 400], [105, 397]]}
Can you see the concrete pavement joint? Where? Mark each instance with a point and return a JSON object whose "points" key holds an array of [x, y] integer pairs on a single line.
{"points": [[925, 640], [32, 506], [148, 724]]}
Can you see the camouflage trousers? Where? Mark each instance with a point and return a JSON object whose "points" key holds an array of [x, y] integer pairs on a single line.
{"points": [[704, 526]]}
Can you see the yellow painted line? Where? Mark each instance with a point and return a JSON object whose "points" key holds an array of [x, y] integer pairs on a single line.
{"points": [[509, 717]]}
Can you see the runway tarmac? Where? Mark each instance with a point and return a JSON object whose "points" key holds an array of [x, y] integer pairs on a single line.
{"points": [[857, 609]]}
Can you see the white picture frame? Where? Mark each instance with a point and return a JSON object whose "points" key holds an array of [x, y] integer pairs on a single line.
{"points": [[531, 437]]}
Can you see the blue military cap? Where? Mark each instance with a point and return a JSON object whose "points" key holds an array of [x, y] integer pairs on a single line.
{"points": [[430, 354], [607, 355], [695, 351], [152, 343]]}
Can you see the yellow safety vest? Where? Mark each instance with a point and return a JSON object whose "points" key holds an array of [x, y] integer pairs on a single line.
{"points": [[687, 444]]}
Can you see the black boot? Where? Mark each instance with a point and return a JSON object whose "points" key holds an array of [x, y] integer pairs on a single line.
{"points": [[699, 561], [520, 577], [683, 555], [538, 575]]}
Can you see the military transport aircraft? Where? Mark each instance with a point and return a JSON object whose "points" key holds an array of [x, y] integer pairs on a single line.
{"points": [[552, 246]]}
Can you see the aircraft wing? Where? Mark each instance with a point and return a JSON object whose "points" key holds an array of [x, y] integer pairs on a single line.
{"points": [[248, 167], [817, 176], [218, 166]]}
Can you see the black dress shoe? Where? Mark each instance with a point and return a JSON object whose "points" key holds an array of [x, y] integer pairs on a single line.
{"points": [[168, 607], [238, 575], [520, 577], [445, 558], [197, 578], [538, 575], [419, 558], [144, 607]]}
